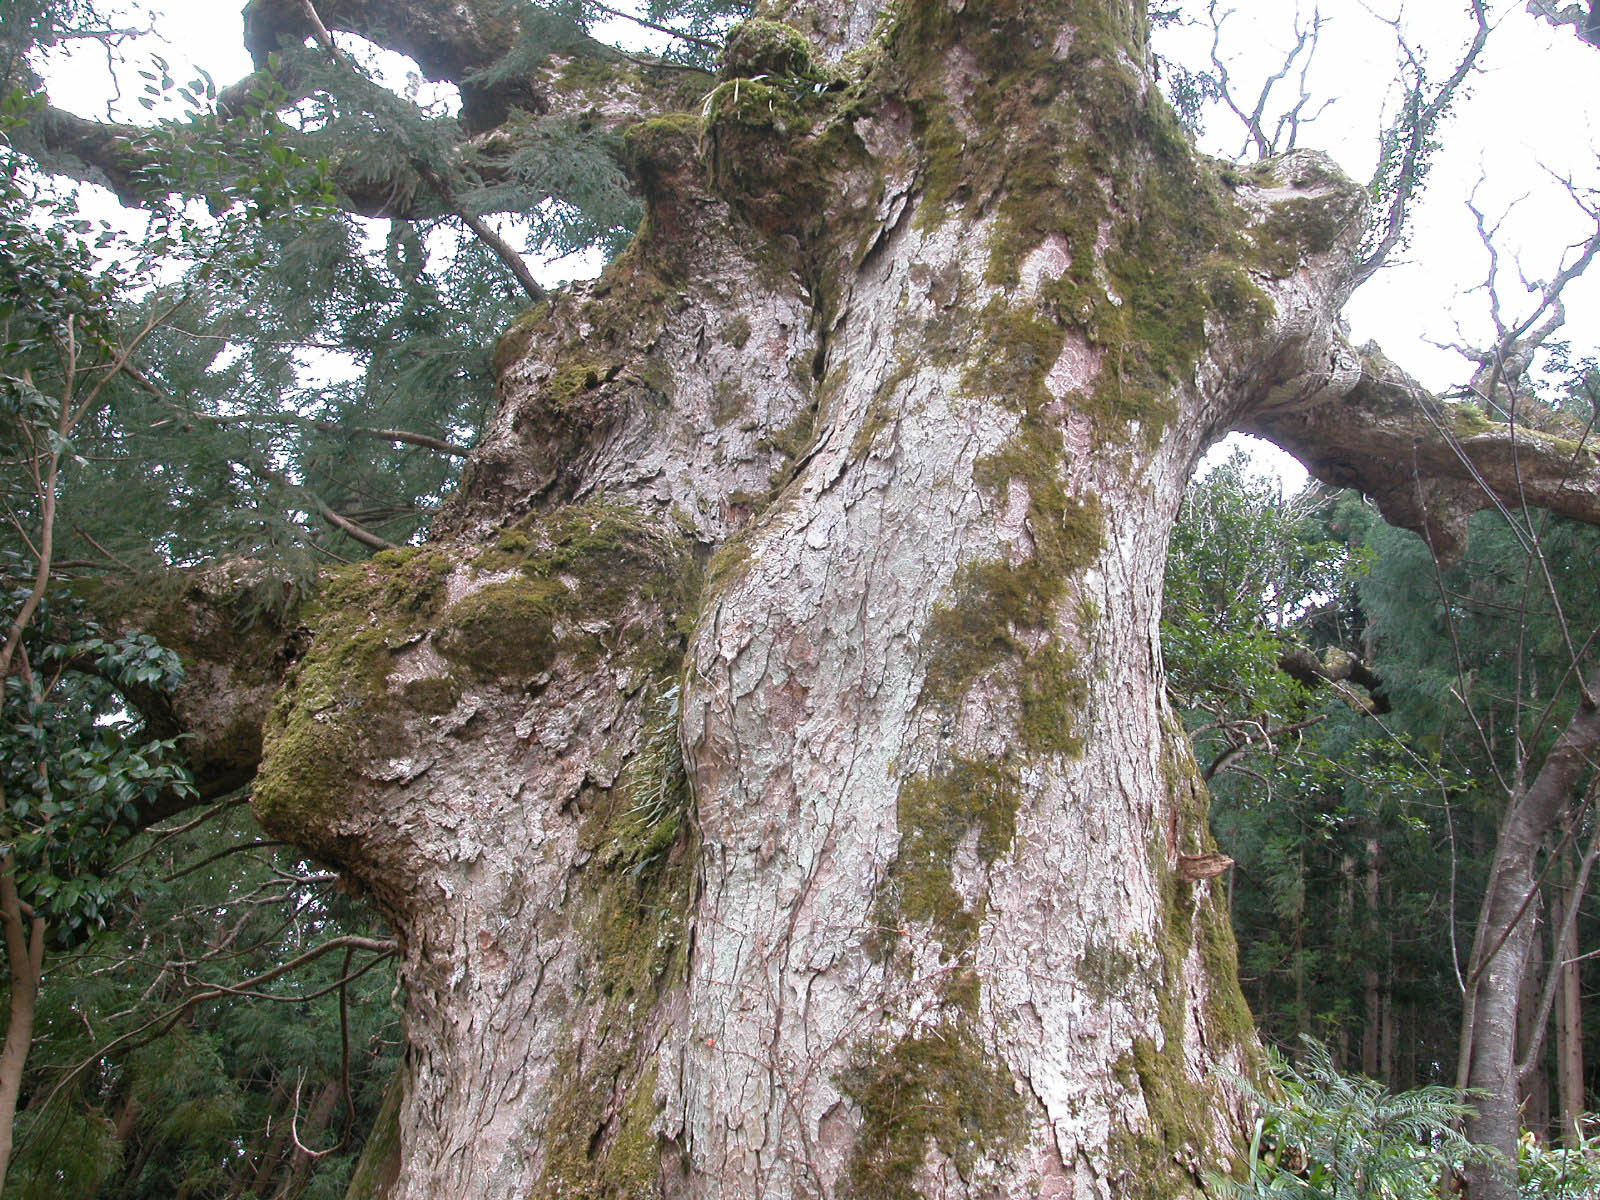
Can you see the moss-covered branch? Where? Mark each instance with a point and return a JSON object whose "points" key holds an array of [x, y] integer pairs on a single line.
{"points": [[234, 625], [1429, 464]]}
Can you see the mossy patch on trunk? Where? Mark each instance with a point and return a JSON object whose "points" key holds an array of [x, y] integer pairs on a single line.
{"points": [[934, 1087], [581, 582]]}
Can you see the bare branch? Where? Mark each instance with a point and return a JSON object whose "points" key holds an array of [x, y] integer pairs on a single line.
{"points": [[1252, 740], [1254, 119], [1409, 143], [344, 1072], [502, 249], [1502, 366], [158, 1025]]}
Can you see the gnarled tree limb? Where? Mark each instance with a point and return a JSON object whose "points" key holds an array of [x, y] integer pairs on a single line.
{"points": [[1430, 465]]}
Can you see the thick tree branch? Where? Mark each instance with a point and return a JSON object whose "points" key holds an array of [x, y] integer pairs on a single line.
{"points": [[503, 250], [1340, 669], [540, 76], [235, 625], [500, 56], [1428, 464]]}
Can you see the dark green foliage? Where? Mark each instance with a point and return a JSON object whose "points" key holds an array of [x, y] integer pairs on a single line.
{"points": [[1245, 569], [202, 1107], [76, 770], [1316, 796], [1490, 633], [280, 338], [1363, 818]]}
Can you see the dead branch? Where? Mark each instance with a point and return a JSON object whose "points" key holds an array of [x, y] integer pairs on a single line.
{"points": [[1410, 139]]}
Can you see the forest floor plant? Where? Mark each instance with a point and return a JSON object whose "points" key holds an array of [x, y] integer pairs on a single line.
{"points": [[1325, 1135]]}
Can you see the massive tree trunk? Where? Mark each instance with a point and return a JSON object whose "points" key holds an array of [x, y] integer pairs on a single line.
{"points": [[767, 767]]}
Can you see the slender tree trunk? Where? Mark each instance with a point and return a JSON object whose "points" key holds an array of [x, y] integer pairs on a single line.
{"points": [[1503, 945], [1387, 1068], [127, 1119], [1371, 986], [1569, 1026], [1297, 949], [1533, 1085], [24, 935]]}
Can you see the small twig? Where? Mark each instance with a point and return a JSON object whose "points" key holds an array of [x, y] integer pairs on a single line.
{"points": [[158, 1025], [1225, 760], [241, 848], [703, 43], [344, 1075]]}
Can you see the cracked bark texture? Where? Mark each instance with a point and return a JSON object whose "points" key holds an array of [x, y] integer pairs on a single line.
{"points": [[767, 768]]}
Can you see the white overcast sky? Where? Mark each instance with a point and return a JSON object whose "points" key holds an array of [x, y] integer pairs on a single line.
{"points": [[1530, 114]]}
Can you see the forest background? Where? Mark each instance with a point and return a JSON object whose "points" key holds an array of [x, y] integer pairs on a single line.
{"points": [[261, 376]]}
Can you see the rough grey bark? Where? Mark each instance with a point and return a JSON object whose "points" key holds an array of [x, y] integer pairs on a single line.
{"points": [[924, 931]]}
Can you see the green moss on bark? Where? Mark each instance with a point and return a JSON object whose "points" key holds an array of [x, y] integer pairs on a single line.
{"points": [[1125, 195], [602, 555], [762, 47], [937, 1087], [335, 715], [936, 813], [1169, 1153], [635, 902], [505, 630], [514, 342], [1296, 228], [579, 579], [1002, 616]]}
